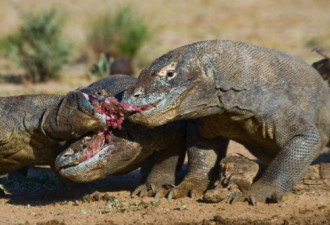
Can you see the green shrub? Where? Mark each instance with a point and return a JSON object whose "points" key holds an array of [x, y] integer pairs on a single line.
{"points": [[118, 33], [37, 46], [312, 42], [101, 68]]}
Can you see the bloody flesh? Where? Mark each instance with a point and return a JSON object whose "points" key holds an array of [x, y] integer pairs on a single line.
{"points": [[115, 113], [114, 110]]}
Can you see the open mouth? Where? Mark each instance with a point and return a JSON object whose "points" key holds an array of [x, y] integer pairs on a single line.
{"points": [[85, 156], [114, 113]]}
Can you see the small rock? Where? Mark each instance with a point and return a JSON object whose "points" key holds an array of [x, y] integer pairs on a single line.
{"points": [[86, 198], [96, 197], [108, 197], [321, 205]]}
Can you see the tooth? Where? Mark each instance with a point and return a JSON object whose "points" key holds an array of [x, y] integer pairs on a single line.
{"points": [[86, 96]]}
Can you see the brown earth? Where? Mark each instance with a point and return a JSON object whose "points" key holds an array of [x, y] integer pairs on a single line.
{"points": [[28, 202]]}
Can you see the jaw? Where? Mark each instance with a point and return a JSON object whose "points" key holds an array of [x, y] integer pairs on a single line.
{"points": [[163, 109], [73, 168], [179, 104], [112, 159], [155, 116]]}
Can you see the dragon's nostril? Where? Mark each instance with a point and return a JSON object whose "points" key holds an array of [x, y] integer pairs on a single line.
{"points": [[137, 93]]}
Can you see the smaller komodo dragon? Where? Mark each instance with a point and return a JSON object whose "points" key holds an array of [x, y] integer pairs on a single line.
{"points": [[129, 148], [273, 103], [34, 127]]}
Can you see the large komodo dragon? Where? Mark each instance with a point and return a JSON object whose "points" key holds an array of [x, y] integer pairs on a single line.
{"points": [[33, 127], [129, 148], [274, 104]]}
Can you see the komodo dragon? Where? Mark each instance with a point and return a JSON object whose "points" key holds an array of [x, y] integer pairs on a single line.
{"points": [[129, 148], [273, 103], [32, 127]]}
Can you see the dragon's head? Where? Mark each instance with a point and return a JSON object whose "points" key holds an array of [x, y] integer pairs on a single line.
{"points": [[177, 85], [91, 157]]}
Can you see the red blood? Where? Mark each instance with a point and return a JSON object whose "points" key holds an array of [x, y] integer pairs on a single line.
{"points": [[115, 113]]}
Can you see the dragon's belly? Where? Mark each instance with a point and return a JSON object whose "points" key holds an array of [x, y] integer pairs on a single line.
{"points": [[249, 132]]}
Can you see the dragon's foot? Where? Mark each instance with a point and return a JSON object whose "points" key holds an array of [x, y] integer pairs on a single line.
{"points": [[188, 188], [260, 192], [220, 194], [152, 190]]}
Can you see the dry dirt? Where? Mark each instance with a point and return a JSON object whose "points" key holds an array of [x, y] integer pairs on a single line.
{"points": [[31, 203]]}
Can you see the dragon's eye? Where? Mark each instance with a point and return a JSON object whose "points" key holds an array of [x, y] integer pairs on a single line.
{"points": [[170, 73], [99, 93], [167, 71]]}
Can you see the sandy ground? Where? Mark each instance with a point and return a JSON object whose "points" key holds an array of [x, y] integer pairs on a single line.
{"points": [[30, 203]]}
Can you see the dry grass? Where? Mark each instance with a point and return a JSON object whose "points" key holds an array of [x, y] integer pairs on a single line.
{"points": [[294, 26]]}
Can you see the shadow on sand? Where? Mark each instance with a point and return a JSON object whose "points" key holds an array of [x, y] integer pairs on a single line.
{"points": [[42, 187]]}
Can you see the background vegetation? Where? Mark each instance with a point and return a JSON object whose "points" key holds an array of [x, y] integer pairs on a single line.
{"points": [[119, 32], [38, 46], [294, 26]]}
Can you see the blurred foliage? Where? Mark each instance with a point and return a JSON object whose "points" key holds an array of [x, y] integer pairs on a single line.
{"points": [[38, 46], [101, 69], [312, 42], [118, 33]]}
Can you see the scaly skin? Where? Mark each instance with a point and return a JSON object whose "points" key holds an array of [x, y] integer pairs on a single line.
{"points": [[128, 149], [274, 104], [32, 127]]}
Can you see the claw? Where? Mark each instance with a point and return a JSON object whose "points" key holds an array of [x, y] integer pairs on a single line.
{"points": [[236, 198], [152, 190], [192, 194], [251, 200], [233, 200], [141, 194], [152, 187], [169, 195], [168, 186], [135, 192], [158, 195], [275, 198], [244, 198]]}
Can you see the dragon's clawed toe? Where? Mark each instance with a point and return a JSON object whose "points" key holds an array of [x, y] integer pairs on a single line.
{"points": [[185, 190], [152, 190], [168, 191], [259, 193]]}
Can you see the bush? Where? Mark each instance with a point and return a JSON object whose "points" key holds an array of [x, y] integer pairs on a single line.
{"points": [[118, 33], [38, 46], [101, 69]]}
